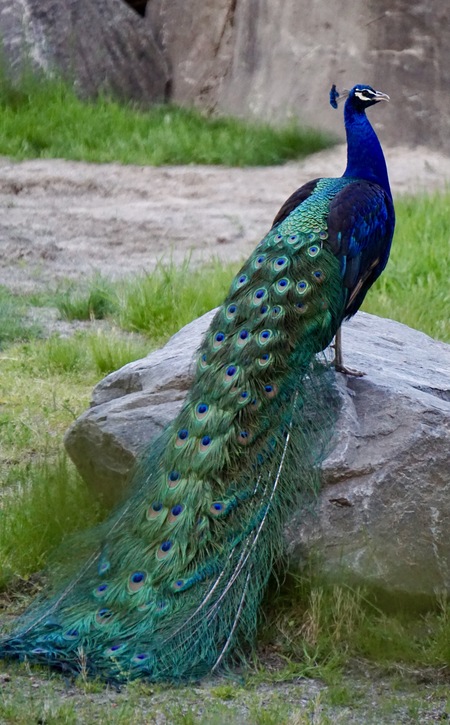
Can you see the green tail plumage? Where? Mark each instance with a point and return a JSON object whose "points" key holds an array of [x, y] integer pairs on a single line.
{"points": [[175, 578], [180, 575]]}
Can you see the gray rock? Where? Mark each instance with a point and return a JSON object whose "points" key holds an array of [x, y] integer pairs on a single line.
{"points": [[102, 47], [383, 513], [129, 408], [197, 39], [384, 510], [276, 60]]}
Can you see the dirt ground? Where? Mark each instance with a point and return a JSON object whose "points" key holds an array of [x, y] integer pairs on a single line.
{"points": [[62, 219]]}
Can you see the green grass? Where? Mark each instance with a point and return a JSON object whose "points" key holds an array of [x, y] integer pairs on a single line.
{"points": [[45, 384], [414, 288], [161, 303], [45, 119], [113, 351], [157, 304], [14, 324], [97, 353], [42, 503], [318, 629], [93, 301]]}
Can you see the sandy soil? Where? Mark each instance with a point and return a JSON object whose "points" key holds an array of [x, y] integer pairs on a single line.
{"points": [[63, 219]]}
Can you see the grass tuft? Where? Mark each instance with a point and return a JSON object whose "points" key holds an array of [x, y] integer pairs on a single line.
{"points": [[14, 324], [156, 304], [97, 353], [112, 351], [41, 504], [59, 355], [319, 628], [94, 301], [159, 304]]}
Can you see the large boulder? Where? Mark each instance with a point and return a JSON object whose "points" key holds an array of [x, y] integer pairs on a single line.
{"points": [[102, 47], [383, 513], [197, 37], [275, 60]]}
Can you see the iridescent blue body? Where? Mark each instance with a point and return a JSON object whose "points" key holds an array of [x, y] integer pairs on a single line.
{"points": [[173, 584]]}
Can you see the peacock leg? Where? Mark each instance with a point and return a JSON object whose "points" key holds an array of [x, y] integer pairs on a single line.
{"points": [[338, 361]]}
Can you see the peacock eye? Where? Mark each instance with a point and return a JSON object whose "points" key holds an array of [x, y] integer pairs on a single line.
{"points": [[230, 371], [182, 437], [280, 263], [241, 280], [137, 577], [173, 479]]}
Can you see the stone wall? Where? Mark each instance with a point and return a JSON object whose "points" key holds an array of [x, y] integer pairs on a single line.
{"points": [[274, 59], [101, 47]]}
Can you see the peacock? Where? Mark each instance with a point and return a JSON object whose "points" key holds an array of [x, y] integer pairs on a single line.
{"points": [[171, 585]]}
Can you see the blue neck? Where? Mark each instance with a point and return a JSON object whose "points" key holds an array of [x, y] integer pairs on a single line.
{"points": [[365, 159]]}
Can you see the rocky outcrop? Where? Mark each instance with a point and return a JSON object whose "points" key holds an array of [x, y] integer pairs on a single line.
{"points": [[257, 59], [197, 38], [276, 60], [100, 47], [384, 509]]}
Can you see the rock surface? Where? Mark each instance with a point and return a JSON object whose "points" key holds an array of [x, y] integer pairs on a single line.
{"points": [[102, 47], [383, 514], [274, 60]]}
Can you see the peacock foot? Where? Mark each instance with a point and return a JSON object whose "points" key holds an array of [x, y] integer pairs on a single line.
{"points": [[347, 371], [338, 361]]}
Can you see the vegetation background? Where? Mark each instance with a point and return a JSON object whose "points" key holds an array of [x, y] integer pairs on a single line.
{"points": [[58, 339]]}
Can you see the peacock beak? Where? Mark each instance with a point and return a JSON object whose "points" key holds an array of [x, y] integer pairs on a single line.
{"points": [[379, 96]]}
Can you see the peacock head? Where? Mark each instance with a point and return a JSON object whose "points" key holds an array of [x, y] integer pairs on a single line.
{"points": [[361, 96]]}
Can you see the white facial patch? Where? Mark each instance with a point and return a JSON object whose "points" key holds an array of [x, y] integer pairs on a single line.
{"points": [[369, 97]]}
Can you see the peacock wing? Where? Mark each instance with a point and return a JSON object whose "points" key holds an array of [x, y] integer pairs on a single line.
{"points": [[360, 227]]}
